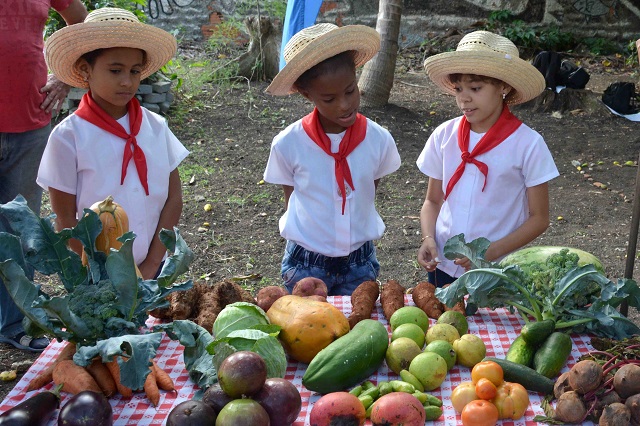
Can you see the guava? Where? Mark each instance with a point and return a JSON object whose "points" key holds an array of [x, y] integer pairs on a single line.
{"points": [[445, 350], [430, 368], [409, 314], [400, 353], [442, 332], [456, 319], [470, 350], [410, 330]]}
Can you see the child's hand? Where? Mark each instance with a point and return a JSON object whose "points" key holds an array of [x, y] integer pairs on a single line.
{"points": [[428, 255], [464, 262]]}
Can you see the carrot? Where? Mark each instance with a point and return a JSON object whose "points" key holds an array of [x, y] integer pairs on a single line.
{"points": [[46, 376], [114, 369], [103, 377], [151, 388], [363, 300], [424, 296], [74, 379], [163, 379], [391, 297]]}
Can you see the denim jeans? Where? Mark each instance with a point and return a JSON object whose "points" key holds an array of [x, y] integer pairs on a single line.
{"points": [[20, 155], [341, 274]]}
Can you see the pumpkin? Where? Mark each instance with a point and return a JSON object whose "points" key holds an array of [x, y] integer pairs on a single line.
{"points": [[308, 326]]}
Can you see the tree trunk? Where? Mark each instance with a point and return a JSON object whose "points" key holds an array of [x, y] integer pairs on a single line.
{"points": [[260, 62], [376, 80]]}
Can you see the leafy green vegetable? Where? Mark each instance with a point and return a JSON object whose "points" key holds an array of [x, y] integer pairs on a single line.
{"points": [[105, 306], [577, 298], [238, 316]]}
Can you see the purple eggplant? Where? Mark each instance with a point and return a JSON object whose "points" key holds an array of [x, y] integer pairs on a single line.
{"points": [[86, 408], [35, 411]]}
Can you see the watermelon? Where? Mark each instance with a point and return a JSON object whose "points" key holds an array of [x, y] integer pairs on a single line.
{"points": [[538, 254]]}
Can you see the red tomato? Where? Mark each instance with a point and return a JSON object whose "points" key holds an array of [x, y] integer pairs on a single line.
{"points": [[463, 394], [479, 413], [487, 370], [511, 400], [485, 389]]}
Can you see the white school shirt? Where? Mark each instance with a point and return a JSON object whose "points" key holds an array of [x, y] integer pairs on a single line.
{"points": [[84, 160], [521, 161], [314, 216]]}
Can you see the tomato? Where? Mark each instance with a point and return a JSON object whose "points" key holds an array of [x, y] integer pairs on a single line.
{"points": [[463, 394], [511, 400], [479, 413], [487, 370], [485, 389]]}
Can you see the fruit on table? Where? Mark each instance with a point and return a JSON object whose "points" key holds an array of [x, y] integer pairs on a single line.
{"points": [[479, 413], [337, 408], [410, 330], [487, 370], [445, 350], [398, 408], [400, 353], [553, 354], [526, 376], [242, 373], [86, 408], [348, 360], [442, 332], [280, 399], [409, 314], [470, 350], [456, 319], [485, 389], [511, 400], [430, 368], [191, 412], [308, 326], [215, 397], [243, 412], [463, 394]]}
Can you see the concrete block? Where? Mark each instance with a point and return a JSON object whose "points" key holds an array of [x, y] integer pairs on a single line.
{"points": [[170, 97], [154, 98], [145, 89], [152, 107], [161, 86], [164, 107]]}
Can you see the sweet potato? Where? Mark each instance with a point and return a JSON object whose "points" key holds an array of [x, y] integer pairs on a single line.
{"points": [[103, 377], [114, 369], [151, 388], [363, 301], [46, 376], [74, 379], [424, 297], [310, 286], [391, 297], [267, 295], [163, 379]]}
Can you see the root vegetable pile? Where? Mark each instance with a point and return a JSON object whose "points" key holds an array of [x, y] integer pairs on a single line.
{"points": [[391, 297], [363, 301]]}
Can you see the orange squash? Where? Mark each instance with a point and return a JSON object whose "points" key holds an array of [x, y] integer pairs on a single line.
{"points": [[308, 326]]}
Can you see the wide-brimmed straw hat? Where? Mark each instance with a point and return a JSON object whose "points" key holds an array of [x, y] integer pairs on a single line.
{"points": [[102, 29], [314, 44], [487, 54]]}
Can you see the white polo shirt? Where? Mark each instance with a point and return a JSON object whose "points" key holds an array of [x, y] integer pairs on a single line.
{"points": [[522, 160], [314, 216], [84, 160]]}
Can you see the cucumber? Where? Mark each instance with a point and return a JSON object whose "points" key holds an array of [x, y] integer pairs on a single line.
{"points": [[553, 354], [526, 376], [521, 352], [348, 360], [535, 333]]}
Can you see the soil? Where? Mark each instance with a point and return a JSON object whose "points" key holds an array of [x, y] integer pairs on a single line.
{"points": [[229, 130]]}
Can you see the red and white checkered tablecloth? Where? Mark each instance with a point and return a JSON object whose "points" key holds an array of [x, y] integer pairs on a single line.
{"points": [[496, 328]]}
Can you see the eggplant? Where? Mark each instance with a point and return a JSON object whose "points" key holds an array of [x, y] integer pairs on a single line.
{"points": [[35, 411], [86, 408]]}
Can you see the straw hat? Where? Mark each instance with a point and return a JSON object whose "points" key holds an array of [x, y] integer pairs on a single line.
{"points": [[488, 54], [314, 44], [105, 28]]}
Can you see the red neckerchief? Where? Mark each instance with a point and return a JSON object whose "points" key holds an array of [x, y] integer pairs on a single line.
{"points": [[507, 124], [352, 138], [94, 114]]}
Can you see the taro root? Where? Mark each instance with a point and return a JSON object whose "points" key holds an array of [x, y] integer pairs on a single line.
{"points": [[585, 376], [570, 408], [626, 381], [615, 414], [562, 385], [633, 404]]}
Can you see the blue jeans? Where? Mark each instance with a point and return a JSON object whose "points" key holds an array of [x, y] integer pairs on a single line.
{"points": [[440, 278], [341, 274], [20, 155]]}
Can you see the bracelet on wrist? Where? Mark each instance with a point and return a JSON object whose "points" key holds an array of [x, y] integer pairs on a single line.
{"points": [[425, 237]]}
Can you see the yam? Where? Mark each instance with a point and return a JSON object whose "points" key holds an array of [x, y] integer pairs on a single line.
{"points": [[46, 376], [163, 379], [424, 297], [73, 378], [102, 376], [151, 388], [391, 297], [363, 301], [114, 369]]}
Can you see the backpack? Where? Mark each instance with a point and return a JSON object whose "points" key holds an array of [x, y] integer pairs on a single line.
{"points": [[621, 97], [572, 76], [548, 63]]}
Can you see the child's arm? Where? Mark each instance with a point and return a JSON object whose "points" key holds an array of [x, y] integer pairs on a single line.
{"points": [[533, 227], [63, 205], [288, 190], [428, 251], [169, 218]]}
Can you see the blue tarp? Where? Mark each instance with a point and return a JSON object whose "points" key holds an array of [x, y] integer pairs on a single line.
{"points": [[300, 14]]}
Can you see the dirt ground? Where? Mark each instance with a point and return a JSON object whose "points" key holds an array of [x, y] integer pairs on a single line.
{"points": [[229, 132]]}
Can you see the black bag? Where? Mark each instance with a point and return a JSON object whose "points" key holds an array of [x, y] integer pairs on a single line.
{"points": [[621, 97], [572, 76], [548, 63]]}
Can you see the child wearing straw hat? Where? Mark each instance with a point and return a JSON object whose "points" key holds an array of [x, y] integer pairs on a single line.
{"points": [[488, 172], [329, 162], [111, 145]]}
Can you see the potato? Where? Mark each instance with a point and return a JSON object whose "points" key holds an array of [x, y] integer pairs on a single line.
{"points": [[310, 286], [267, 295], [626, 381]]}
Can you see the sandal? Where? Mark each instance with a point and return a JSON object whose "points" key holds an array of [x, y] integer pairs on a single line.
{"points": [[26, 342]]}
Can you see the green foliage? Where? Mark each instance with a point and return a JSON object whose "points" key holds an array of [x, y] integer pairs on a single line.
{"points": [[601, 46]]}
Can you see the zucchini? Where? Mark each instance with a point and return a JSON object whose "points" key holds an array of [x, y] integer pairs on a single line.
{"points": [[349, 359], [553, 354], [521, 352], [535, 333], [526, 376]]}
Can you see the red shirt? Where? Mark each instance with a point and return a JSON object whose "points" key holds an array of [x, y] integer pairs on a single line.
{"points": [[23, 71]]}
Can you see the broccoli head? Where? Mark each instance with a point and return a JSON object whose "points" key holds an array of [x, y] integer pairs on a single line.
{"points": [[94, 304]]}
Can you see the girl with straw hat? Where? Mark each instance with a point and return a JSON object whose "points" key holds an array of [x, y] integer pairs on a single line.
{"points": [[110, 53], [488, 171], [329, 162]]}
